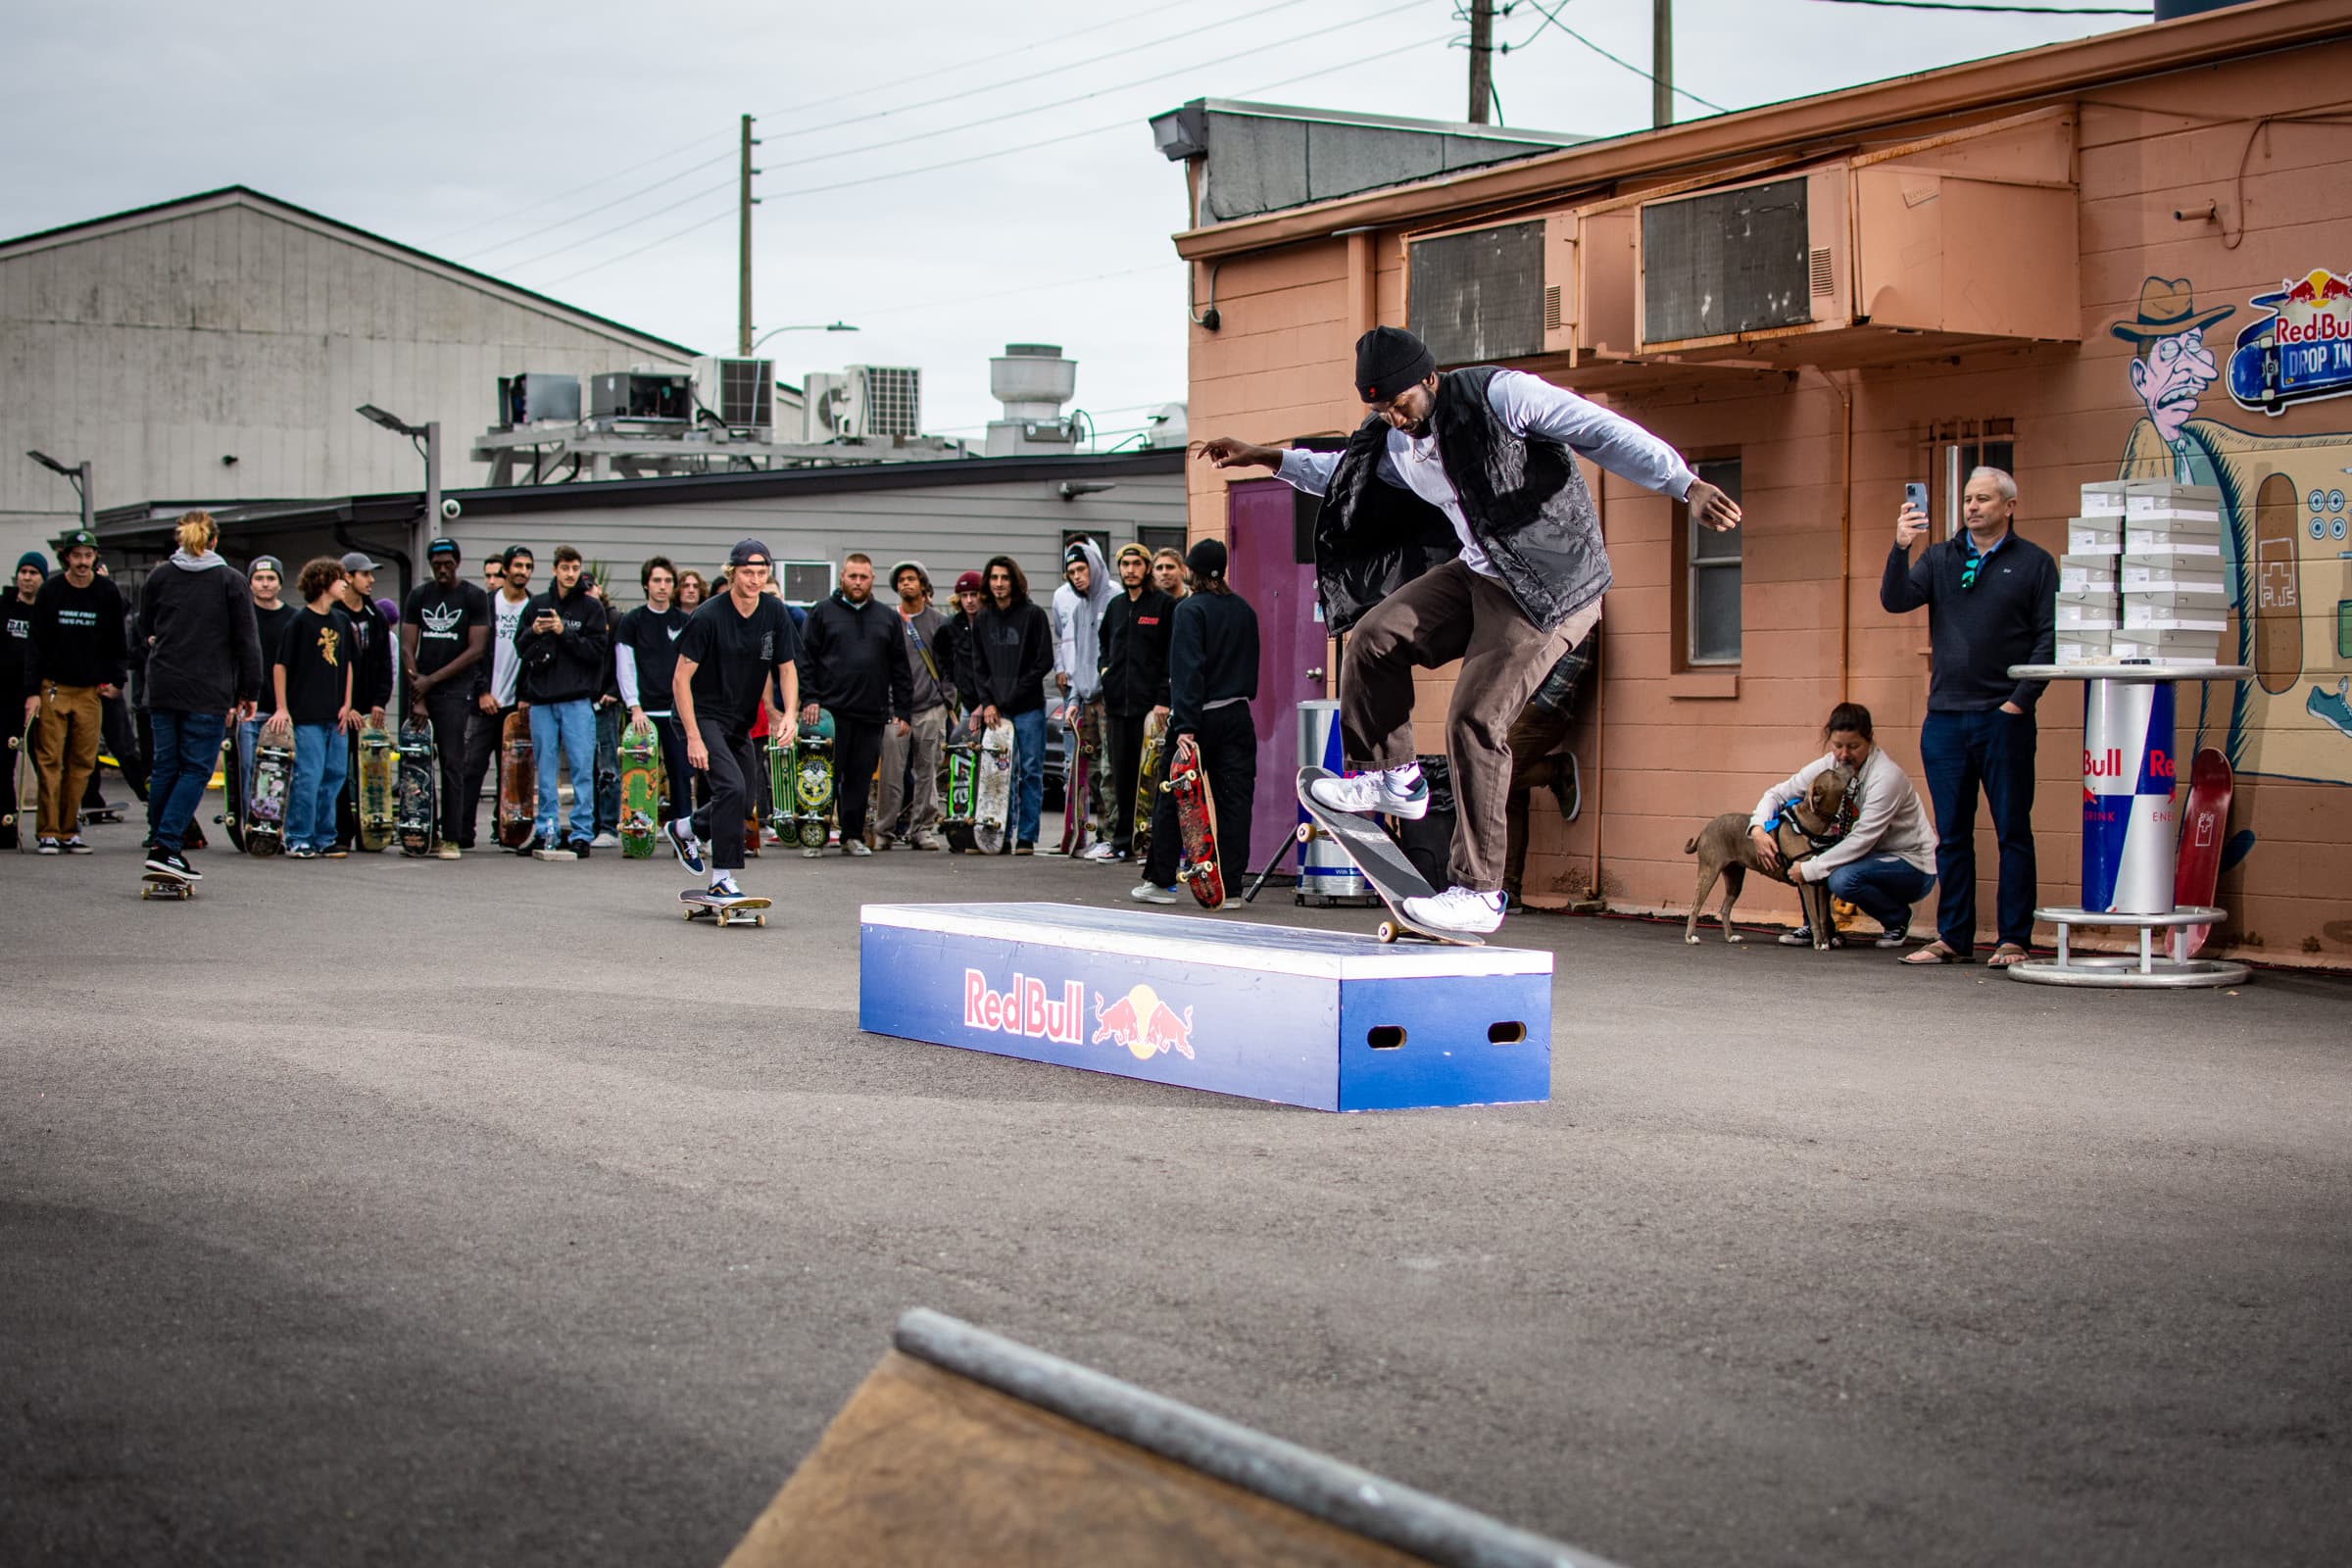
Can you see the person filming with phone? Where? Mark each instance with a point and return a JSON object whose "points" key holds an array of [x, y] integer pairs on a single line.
{"points": [[1992, 600]]}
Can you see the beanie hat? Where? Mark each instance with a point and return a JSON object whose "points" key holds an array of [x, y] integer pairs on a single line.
{"points": [[266, 564], [915, 566], [747, 551], [1076, 551], [970, 582], [37, 561], [1206, 559], [1388, 360]]}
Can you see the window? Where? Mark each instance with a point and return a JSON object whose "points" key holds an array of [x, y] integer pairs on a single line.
{"points": [[1710, 576], [1158, 539], [1070, 536], [805, 582], [1956, 449]]}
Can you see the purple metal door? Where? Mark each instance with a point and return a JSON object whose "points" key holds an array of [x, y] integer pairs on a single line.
{"points": [[1268, 529]]}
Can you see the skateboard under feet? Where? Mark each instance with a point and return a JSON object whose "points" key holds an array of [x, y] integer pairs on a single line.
{"points": [[163, 885], [701, 905], [1383, 862]]}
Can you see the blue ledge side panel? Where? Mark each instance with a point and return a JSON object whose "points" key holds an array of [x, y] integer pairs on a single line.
{"points": [[1442, 1050], [1230, 1030]]}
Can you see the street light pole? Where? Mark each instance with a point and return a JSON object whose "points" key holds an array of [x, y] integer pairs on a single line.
{"points": [[78, 476], [821, 326], [432, 477]]}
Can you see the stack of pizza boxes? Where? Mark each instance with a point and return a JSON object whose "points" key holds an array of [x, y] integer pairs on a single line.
{"points": [[2175, 599], [2089, 577]]}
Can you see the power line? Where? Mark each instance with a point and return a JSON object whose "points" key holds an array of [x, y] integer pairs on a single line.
{"points": [[727, 184], [596, 183], [1551, 18], [2028, 11], [966, 65], [662, 183], [728, 211]]}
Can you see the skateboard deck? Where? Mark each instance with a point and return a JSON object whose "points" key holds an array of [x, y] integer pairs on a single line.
{"points": [[813, 785], [1073, 794], [961, 793], [265, 806], [232, 789], [518, 782], [993, 797], [163, 885], [1196, 822], [1147, 780], [1383, 862], [783, 791], [640, 790], [2204, 832], [373, 774], [700, 906], [419, 793], [26, 819]]}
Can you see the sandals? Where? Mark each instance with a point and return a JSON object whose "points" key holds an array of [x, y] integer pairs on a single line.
{"points": [[2007, 954], [1936, 952]]}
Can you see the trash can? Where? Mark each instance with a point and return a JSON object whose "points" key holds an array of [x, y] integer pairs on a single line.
{"points": [[1326, 876]]}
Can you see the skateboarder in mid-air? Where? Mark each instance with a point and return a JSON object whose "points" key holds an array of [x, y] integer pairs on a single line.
{"points": [[1456, 526], [732, 646]]}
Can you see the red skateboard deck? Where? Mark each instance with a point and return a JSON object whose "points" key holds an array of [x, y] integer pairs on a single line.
{"points": [[1196, 824], [518, 782], [2204, 833]]}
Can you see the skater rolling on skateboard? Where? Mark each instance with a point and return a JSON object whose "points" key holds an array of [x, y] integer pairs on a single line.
{"points": [[203, 657], [444, 636], [1212, 674], [1456, 526], [736, 649]]}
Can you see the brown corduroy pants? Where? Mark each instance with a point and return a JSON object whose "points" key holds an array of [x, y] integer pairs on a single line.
{"points": [[1447, 613]]}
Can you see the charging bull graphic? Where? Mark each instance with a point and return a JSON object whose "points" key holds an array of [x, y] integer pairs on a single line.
{"points": [[1144, 1024], [2286, 509]]}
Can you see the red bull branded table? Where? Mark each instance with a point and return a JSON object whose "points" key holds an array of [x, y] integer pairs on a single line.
{"points": [[2131, 831], [1325, 1019]]}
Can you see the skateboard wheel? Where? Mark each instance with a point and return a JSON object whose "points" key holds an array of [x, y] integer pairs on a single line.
{"points": [[760, 920], [1388, 931], [1306, 832]]}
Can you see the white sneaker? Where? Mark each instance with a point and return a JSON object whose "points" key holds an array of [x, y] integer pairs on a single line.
{"points": [[1398, 790], [1100, 852], [1457, 909], [1152, 893], [605, 841]]}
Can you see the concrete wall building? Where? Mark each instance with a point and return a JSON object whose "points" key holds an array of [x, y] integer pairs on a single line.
{"points": [[2080, 263], [215, 346]]}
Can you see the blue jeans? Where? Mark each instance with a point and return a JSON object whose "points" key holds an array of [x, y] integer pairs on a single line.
{"points": [[1883, 886], [1960, 752], [322, 756], [249, 736], [609, 717], [1028, 772], [187, 745], [572, 728]]}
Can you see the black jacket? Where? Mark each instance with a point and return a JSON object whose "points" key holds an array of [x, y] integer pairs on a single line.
{"points": [[853, 660], [1974, 634], [1212, 656], [371, 665], [204, 649], [566, 667], [1013, 657], [1135, 653], [1525, 501], [953, 649], [78, 635]]}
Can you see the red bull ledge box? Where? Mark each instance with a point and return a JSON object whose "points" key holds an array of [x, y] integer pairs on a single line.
{"points": [[1325, 1019]]}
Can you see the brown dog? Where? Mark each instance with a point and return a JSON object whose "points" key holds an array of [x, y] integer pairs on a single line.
{"points": [[1725, 850]]}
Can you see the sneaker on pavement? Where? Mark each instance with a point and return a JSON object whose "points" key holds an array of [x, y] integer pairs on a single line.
{"points": [[680, 834], [1802, 937], [302, 851], [927, 841], [856, 847], [1152, 893], [1398, 790], [75, 845], [607, 840], [1895, 936], [449, 852], [334, 852], [171, 862], [1457, 909], [580, 848], [884, 841], [1103, 851], [49, 847], [1025, 847]]}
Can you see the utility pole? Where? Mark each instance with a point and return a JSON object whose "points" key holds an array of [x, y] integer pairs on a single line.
{"points": [[1481, 59], [742, 309], [1661, 66]]}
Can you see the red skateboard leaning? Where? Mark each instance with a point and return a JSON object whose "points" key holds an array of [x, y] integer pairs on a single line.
{"points": [[2204, 833]]}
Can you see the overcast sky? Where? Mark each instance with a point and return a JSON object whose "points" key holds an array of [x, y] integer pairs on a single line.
{"points": [[564, 146]]}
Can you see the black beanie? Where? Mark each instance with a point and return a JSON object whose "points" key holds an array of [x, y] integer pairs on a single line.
{"points": [[1388, 360], [1206, 559]]}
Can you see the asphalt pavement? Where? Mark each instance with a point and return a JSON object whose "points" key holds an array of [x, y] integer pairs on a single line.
{"points": [[400, 1211]]}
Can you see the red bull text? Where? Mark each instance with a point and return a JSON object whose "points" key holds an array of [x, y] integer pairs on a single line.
{"points": [[1025, 1008], [2128, 776]]}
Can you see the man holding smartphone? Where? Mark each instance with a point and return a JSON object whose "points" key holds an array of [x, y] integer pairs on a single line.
{"points": [[563, 646], [1992, 601]]}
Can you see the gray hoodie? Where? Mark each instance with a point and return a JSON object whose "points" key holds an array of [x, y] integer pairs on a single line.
{"points": [[1078, 625]]}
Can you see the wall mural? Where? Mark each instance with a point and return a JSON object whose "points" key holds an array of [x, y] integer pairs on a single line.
{"points": [[2287, 508]]}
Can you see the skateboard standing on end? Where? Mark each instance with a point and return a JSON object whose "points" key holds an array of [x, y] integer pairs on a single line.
{"points": [[29, 793], [962, 792], [640, 790], [2204, 830], [813, 785], [1196, 822], [1146, 782], [700, 904], [232, 789], [992, 809], [1073, 794], [266, 804], [1383, 862], [518, 782], [374, 775], [783, 793], [419, 819]]}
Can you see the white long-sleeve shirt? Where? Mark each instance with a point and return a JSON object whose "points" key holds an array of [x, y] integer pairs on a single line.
{"points": [[1527, 407], [1889, 819]]}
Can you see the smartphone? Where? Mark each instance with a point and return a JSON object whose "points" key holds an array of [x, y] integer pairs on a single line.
{"points": [[1916, 495]]}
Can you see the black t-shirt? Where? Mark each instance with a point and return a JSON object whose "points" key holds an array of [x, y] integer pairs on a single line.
{"points": [[736, 656], [272, 623], [444, 618], [652, 638], [316, 651]]}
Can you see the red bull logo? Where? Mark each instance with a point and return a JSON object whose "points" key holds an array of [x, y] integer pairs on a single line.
{"points": [[1143, 1024], [1025, 1008]]}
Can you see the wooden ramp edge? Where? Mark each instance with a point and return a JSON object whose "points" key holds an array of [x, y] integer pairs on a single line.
{"points": [[962, 1447]]}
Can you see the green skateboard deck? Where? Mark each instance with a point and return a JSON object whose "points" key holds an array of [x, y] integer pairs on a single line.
{"points": [[640, 755]]}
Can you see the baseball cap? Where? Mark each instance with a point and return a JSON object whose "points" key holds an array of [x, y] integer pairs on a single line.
{"points": [[443, 546], [75, 541], [357, 561], [1137, 551], [266, 564], [747, 551]]}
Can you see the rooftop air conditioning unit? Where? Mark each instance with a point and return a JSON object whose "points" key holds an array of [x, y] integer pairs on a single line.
{"points": [[538, 399], [861, 403], [645, 396], [741, 394]]}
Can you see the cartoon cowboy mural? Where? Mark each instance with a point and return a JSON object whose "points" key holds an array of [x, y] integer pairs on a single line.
{"points": [[2284, 510]]}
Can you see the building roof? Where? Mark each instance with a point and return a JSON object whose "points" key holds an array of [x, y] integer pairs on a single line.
{"points": [[259, 201], [1976, 88]]}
